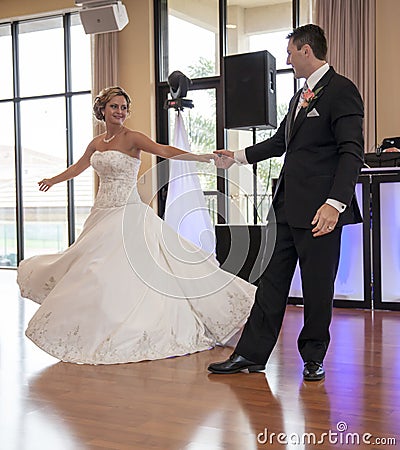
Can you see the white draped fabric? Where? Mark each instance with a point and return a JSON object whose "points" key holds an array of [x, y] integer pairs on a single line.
{"points": [[186, 210]]}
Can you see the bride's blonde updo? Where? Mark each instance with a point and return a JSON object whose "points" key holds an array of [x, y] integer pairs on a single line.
{"points": [[105, 96]]}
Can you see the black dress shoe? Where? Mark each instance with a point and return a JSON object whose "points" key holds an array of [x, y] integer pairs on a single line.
{"points": [[313, 371], [235, 364]]}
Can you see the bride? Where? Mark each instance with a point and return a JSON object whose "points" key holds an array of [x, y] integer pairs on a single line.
{"points": [[129, 288]]}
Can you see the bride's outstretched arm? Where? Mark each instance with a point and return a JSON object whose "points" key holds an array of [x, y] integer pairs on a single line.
{"points": [[143, 142], [72, 171]]}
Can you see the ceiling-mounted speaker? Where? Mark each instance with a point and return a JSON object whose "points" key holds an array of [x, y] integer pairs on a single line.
{"points": [[103, 19]]}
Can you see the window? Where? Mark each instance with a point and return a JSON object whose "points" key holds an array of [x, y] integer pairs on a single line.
{"points": [[198, 56], [8, 242], [250, 29], [200, 125], [199, 59], [249, 26], [45, 102]]}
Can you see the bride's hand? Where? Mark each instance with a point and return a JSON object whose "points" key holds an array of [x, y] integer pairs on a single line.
{"points": [[45, 184]]}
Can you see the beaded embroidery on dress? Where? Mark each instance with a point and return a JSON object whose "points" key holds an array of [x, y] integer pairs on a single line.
{"points": [[129, 288]]}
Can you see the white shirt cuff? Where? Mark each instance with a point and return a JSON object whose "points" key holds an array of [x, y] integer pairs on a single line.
{"points": [[336, 204], [240, 157]]}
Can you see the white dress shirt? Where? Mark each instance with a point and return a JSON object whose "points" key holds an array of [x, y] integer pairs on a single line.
{"points": [[312, 80]]}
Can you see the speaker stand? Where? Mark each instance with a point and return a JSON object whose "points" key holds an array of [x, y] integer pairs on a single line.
{"points": [[255, 213]]}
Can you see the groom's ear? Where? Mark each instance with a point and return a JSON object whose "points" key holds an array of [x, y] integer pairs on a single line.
{"points": [[308, 51]]}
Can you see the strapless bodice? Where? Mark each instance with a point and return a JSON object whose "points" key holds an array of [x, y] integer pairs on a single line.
{"points": [[118, 177]]}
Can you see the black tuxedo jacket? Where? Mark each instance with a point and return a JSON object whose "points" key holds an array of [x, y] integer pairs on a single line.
{"points": [[324, 148]]}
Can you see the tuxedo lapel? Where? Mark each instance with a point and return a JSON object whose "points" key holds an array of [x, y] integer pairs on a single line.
{"points": [[302, 114], [290, 118]]}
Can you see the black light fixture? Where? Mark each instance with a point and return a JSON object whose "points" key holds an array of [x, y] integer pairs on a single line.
{"points": [[178, 84]]}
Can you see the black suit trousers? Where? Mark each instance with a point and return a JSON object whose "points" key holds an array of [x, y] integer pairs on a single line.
{"points": [[318, 260]]}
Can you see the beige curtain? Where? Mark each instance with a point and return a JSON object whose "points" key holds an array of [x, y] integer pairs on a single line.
{"points": [[105, 72], [105, 66], [350, 29]]}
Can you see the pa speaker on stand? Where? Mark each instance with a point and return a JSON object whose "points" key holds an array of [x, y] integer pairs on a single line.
{"points": [[250, 97], [250, 91]]}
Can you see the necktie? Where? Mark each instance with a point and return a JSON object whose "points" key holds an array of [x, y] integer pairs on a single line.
{"points": [[301, 99]]}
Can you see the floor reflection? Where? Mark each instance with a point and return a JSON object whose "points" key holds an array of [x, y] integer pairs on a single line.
{"points": [[176, 404]]}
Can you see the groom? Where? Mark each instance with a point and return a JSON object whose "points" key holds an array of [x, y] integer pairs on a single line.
{"points": [[323, 140]]}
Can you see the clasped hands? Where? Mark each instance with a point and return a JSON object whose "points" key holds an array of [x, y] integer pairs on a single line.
{"points": [[223, 159]]}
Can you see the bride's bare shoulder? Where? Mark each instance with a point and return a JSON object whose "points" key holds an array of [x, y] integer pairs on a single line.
{"points": [[136, 138], [133, 133]]}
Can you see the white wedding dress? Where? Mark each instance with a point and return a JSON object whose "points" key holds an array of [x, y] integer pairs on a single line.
{"points": [[129, 289]]}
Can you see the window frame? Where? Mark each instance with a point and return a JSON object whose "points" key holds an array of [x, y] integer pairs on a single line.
{"points": [[68, 93], [215, 82]]}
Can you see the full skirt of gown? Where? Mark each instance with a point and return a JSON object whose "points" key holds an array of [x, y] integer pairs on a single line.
{"points": [[129, 288]]}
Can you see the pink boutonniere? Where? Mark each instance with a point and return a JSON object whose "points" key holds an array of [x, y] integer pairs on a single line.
{"points": [[309, 96]]}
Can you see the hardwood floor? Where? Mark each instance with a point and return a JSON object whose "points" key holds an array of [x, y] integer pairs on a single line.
{"points": [[176, 404]]}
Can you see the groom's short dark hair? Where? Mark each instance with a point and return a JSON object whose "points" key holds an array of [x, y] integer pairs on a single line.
{"points": [[314, 36]]}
